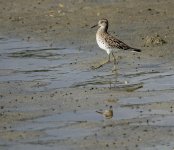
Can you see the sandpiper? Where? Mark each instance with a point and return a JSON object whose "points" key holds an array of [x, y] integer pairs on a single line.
{"points": [[108, 42], [107, 113]]}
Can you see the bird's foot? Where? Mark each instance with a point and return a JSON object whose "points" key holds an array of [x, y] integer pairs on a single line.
{"points": [[100, 65], [96, 67]]}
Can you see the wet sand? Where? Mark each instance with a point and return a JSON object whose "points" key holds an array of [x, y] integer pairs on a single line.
{"points": [[52, 104]]}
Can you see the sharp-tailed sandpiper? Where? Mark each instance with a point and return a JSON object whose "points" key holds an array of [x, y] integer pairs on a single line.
{"points": [[108, 42]]}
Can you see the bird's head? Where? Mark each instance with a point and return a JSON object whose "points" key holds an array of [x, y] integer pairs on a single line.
{"points": [[102, 23]]}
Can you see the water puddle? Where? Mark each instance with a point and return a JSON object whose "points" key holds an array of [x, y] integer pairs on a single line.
{"points": [[32, 61], [163, 120], [162, 97], [68, 125], [28, 61], [80, 124], [60, 67], [164, 146]]}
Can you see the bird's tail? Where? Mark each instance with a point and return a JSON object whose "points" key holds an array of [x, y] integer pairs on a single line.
{"points": [[135, 50]]}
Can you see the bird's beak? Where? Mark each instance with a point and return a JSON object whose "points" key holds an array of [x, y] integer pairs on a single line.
{"points": [[94, 26]]}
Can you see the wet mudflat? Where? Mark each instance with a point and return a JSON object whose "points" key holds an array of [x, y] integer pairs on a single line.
{"points": [[50, 93]]}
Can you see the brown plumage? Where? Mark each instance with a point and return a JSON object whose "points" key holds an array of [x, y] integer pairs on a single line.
{"points": [[108, 42], [115, 43]]}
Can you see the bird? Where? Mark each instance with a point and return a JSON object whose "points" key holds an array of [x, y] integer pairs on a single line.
{"points": [[107, 113], [108, 42]]}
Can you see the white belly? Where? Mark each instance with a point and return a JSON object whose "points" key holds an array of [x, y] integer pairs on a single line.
{"points": [[103, 45]]}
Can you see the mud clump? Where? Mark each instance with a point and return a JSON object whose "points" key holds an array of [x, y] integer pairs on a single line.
{"points": [[155, 40]]}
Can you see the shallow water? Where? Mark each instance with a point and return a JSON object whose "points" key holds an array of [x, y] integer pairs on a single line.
{"points": [[59, 67], [35, 61], [28, 61]]}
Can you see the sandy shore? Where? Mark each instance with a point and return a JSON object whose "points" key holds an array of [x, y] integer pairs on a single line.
{"points": [[66, 118]]}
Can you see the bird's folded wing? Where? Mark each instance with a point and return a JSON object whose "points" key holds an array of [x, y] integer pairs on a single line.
{"points": [[115, 43]]}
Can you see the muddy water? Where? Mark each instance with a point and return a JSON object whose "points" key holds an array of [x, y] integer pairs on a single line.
{"points": [[60, 67], [21, 60], [57, 67]]}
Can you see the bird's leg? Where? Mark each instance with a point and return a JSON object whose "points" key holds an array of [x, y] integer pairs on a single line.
{"points": [[115, 67], [114, 58], [109, 57]]}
